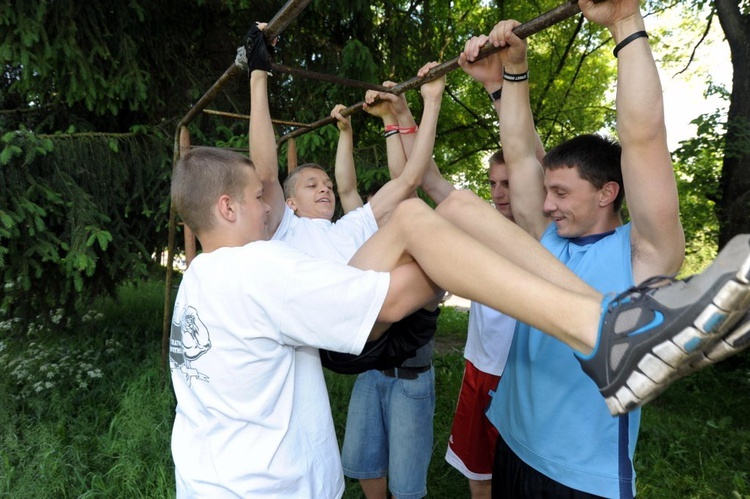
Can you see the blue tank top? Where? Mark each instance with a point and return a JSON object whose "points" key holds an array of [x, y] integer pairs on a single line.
{"points": [[548, 411]]}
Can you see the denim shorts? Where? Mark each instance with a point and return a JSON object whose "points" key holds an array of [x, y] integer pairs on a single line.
{"points": [[389, 431]]}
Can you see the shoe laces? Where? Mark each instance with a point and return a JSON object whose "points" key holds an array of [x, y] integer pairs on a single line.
{"points": [[645, 287]]}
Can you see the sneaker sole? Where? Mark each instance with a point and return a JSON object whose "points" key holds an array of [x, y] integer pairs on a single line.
{"points": [[737, 340], [712, 334]]}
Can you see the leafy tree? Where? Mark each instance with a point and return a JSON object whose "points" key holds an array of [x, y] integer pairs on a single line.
{"points": [[91, 93], [86, 89], [734, 203]]}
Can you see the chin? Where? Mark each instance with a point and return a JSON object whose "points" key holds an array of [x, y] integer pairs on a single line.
{"points": [[563, 231]]}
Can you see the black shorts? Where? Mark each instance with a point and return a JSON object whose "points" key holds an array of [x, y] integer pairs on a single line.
{"points": [[512, 478], [397, 344]]}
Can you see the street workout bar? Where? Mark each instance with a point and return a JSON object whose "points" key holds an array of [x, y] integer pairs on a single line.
{"points": [[524, 30]]}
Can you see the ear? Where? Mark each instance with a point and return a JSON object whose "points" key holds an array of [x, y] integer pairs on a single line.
{"points": [[608, 193], [225, 206], [291, 203]]}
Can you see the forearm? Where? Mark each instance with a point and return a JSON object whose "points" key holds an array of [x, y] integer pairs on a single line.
{"points": [[406, 120], [346, 178], [262, 138], [263, 148], [421, 155], [516, 121], [521, 149], [394, 147], [433, 183]]}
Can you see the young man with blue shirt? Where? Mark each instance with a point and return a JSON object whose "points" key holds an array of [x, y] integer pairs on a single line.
{"points": [[558, 438]]}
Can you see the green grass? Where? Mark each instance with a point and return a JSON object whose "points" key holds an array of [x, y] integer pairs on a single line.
{"points": [[102, 426]]}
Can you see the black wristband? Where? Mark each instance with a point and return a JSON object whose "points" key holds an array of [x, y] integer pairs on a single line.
{"points": [[515, 77], [495, 96], [634, 36]]}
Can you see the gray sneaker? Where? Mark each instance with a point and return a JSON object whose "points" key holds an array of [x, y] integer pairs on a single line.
{"points": [[651, 335], [734, 342]]}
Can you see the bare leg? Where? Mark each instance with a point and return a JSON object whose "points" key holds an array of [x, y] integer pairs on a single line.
{"points": [[374, 488], [478, 219], [461, 264], [480, 489]]}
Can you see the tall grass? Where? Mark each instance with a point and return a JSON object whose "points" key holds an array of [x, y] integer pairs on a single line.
{"points": [[86, 411]]}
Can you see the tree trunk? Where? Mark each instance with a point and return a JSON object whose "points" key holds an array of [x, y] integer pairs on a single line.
{"points": [[733, 207]]}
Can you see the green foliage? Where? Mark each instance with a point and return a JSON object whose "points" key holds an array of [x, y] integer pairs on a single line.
{"points": [[103, 429], [694, 427], [698, 170], [112, 438], [73, 222], [96, 67]]}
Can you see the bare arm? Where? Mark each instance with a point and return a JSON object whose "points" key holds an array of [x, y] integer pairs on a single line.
{"points": [[402, 187], [521, 144], [433, 182], [346, 176], [263, 148], [650, 187], [381, 105]]}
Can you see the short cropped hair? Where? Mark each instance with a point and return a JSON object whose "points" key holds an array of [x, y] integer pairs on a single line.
{"points": [[497, 158], [200, 177], [597, 158], [290, 183]]}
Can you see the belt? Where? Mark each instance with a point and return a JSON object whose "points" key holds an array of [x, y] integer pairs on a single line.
{"points": [[405, 372]]}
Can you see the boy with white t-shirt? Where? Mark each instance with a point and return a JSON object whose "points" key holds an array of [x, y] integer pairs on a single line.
{"points": [[301, 212]]}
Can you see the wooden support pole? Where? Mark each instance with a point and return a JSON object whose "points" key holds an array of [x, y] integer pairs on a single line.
{"points": [[549, 18], [291, 156]]}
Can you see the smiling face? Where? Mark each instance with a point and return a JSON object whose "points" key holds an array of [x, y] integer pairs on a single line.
{"points": [[500, 189], [312, 195], [576, 206]]}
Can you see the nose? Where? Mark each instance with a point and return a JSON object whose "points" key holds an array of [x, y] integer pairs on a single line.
{"points": [[549, 206]]}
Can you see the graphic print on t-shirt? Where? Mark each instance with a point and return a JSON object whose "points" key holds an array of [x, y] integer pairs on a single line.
{"points": [[189, 339]]}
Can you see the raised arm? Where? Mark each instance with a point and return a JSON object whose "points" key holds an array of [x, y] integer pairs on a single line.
{"points": [[521, 144], [381, 105], [262, 138], [396, 190], [650, 187], [400, 146], [344, 170]]}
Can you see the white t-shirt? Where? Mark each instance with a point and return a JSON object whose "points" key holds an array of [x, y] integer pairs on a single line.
{"points": [[488, 339], [323, 239], [253, 417]]}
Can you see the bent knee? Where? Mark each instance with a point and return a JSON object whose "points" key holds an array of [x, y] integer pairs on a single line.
{"points": [[456, 201], [408, 209]]}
